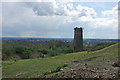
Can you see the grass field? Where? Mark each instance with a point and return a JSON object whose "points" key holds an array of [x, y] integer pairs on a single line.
{"points": [[34, 67]]}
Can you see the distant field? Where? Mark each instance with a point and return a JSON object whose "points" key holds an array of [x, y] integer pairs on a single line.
{"points": [[36, 67]]}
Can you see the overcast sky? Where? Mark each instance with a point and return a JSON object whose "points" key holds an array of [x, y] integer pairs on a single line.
{"points": [[58, 19]]}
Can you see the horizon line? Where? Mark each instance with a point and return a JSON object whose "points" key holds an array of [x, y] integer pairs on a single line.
{"points": [[57, 37]]}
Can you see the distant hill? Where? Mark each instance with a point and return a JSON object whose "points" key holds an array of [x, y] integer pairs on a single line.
{"points": [[89, 41]]}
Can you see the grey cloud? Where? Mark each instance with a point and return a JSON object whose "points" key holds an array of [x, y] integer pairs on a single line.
{"points": [[82, 13], [46, 8]]}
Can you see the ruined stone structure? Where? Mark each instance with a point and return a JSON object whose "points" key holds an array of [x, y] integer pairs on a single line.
{"points": [[78, 39]]}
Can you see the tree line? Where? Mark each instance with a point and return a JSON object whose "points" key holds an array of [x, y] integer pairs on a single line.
{"points": [[29, 50]]}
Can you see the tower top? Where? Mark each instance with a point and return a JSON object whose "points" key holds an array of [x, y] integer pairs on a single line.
{"points": [[77, 28]]}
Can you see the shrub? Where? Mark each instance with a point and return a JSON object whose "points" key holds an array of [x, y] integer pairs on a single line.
{"points": [[44, 51], [8, 51], [58, 68], [19, 49], [45, 73], [27, 54], [41, 55], [64, 65], [4, 57], [68, 50], [24, 52], [53, 53], [52, 71], [56, 75]]}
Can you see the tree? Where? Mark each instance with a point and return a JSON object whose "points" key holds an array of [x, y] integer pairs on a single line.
{"points": [[24, 52]]}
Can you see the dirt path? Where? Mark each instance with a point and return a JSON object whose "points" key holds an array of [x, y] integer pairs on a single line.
{"points": [[90, 59]]}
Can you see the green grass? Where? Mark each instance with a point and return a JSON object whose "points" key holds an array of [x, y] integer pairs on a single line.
{"points": [[35, 67]]}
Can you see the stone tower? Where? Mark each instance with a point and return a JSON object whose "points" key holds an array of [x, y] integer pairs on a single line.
{"points": [[78, 39]]}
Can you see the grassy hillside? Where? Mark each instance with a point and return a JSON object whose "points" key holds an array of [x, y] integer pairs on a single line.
{"points": [[36, 67], [101, 46]]}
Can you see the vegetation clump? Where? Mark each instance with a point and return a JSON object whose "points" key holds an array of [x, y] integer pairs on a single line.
{"points": [[30, 50], [55, 70]]}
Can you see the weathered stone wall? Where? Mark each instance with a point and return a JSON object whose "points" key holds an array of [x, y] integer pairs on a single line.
{"points": [[78, 39]]}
